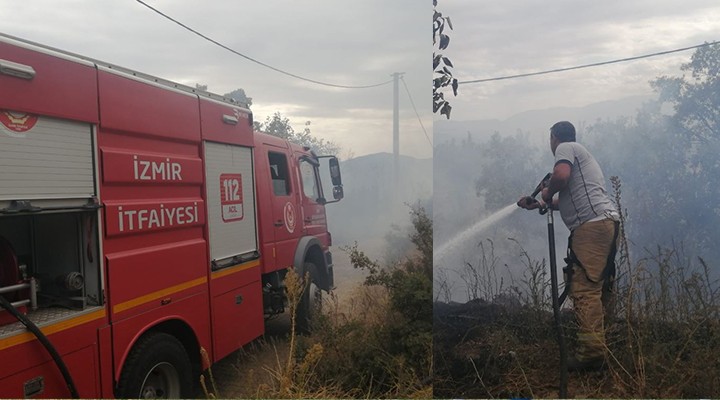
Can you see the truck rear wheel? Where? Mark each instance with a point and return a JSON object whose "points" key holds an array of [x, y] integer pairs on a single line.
{"points": [[158, 367], [310, 305]]}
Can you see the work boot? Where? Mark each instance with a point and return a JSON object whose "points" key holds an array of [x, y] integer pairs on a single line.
{"points": [[592, 364]]}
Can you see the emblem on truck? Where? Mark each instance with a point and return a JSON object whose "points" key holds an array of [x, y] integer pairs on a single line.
{"points": [[17, 123], [289, 213]]}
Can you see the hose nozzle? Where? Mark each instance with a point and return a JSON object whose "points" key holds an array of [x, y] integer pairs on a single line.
{"points": [[543, 183]]}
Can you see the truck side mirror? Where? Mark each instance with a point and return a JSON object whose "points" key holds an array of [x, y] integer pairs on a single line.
{"points": [[335, 172], [338, 192]]}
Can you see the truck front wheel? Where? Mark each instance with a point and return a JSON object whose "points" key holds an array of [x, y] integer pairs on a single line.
{"points": [[158, 367], [310, 305]]}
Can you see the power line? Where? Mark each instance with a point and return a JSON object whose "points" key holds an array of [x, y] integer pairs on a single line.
{"points": [[256, 61], [552, 71], [416, 112]]}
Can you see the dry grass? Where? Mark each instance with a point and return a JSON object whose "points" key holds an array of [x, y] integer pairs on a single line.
{"points": [[378, 344], [663, 338], [245, 374], [654, 349], [315, 365]]}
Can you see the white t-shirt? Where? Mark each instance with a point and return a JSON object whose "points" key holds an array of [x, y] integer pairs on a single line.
{"points": [[584, 198]]}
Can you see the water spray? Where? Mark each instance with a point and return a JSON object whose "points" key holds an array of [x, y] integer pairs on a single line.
{"points": [[441, 251], [547, 208]]}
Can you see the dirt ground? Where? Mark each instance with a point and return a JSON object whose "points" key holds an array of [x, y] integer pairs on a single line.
{"points": [[241, 374]]}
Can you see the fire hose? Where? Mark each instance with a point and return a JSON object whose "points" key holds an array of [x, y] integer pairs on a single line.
{"points": [[4, 303], [554, 285]]}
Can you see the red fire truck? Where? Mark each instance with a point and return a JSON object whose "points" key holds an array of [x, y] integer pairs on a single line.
{"points": [[141, 221]]}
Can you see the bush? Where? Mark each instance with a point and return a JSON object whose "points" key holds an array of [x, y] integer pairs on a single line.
{"points": [[381, 347]]}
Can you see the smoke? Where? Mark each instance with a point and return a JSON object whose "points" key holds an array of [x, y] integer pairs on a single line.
{"points": [[669, 179], [376, 209]]}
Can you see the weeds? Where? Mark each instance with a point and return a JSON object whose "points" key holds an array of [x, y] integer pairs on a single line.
{"points": [[482, 278], [393, 352], [442, 286], [663, 341], [213, 392], [534, 289], [379, 345]]}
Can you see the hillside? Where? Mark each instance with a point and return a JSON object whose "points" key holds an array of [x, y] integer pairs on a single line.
{"points": [[537, 122]]}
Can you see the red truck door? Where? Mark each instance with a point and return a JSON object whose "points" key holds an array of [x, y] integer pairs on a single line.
{"points": [[314, 221], [286, 224]]}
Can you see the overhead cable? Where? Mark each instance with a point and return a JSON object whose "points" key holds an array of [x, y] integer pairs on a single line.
{"points": [[259, 62], [597, 64]]}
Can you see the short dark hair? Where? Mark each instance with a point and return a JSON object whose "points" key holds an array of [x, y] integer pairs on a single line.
{"points": [[564, 131]]}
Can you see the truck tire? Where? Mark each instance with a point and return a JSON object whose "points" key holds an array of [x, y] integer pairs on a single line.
{"points": [[158, 367], [310, 305]]}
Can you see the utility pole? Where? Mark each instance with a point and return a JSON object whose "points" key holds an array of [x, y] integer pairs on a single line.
{"points": [[396, 127]]}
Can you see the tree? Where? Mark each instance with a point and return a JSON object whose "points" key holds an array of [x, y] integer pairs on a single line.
{"points": [[696, 99], [279, 126], [696, 123], [501, 154], [320, 146], [441, 65], [668, 162], [239, 96]]}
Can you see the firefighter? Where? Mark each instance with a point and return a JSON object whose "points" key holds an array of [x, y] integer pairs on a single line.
{"points": [[592, 220]]}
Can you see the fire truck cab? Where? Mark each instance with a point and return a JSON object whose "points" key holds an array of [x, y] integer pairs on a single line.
{"points": [[145, 229]]}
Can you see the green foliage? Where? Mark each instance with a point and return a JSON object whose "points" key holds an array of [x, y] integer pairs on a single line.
{"points": [[382, 346], [387, 348], [442, 75], [279, 125], [397, 245], [668, 161], [696, 98], [240, 96], [320, 146], [409, 285], [420, 263]]}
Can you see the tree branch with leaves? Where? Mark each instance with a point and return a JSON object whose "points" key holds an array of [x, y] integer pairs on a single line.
{"points": [[279, 125], [442, 75]]}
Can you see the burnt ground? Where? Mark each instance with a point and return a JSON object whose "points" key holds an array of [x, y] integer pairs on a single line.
{"points": [[491, 350], [508, 350]]}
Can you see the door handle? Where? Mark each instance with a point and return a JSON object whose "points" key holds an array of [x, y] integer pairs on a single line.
{"points": [[279, 223]]}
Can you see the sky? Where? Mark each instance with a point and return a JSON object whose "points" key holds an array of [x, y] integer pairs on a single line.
{"points": [[351, 43], [491, 39]]}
